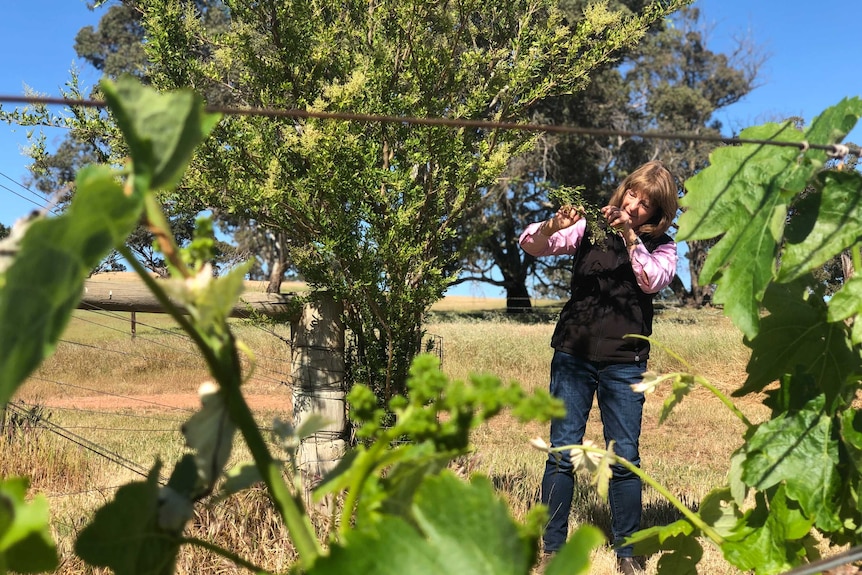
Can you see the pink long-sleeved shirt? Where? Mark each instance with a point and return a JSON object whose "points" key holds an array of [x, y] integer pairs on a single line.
{"points": [[653, 271]]}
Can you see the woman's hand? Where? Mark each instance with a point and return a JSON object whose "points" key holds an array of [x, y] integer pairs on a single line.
{"points": [[566, 217], [617, 218], [621, 221]]}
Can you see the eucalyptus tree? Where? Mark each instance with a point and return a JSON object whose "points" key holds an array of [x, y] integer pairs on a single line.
{"points": [[372, 208]]}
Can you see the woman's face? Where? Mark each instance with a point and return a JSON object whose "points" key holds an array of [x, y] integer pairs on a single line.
{"points": [[638, 206]]}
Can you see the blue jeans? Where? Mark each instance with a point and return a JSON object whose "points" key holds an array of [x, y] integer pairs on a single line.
{"points": [[576, 381]]}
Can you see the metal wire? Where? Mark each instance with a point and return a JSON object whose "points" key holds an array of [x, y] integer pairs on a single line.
{"points": [[834, 150]]}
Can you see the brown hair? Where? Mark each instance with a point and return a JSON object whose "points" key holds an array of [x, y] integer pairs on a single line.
{"points": [[655, 181]]}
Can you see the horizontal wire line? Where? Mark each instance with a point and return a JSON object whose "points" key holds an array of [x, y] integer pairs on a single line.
{"points": [[108, 393], [281, 376], [87, 444], [832, 149], [53, 408]]}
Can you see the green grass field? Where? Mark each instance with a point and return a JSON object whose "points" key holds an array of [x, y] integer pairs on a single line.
{"points": [[129, 396]]}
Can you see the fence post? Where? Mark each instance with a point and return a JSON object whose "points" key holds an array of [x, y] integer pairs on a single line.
{"points": [[318, 376]]}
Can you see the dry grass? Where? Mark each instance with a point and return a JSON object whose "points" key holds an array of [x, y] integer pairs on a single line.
{"points": [[689, 453]]}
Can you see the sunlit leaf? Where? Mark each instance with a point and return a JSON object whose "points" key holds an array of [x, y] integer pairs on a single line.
{"points": [[574, 557], [769, 541], [743, 195], [25, 535], [681, 385], [824, 224], [459, 528], [161, 129], [239, 478], [782, 447], [44, 284], [209, 433]]}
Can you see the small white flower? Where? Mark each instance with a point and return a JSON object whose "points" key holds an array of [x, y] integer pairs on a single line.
{"points": [[207, 388], [583, 459], [200, 281], [539, 443], [650, 382]]}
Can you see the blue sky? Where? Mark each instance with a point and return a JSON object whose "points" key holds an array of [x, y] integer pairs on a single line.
{"points": [[812, 64]]}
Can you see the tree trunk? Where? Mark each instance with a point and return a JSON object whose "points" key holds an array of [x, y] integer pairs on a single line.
{"points": [[276, 275], [517, 299], [678, 289]]}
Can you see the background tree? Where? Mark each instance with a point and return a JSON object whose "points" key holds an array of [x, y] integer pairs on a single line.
{"points": [[372, 208], [115, 47], [670, 82]]}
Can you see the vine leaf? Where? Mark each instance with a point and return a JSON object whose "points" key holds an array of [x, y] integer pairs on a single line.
{"points": [[210, 433], [823, 224], [741, 195], [44, 283], [573, 558], [457, 527], [796, 335], [770, 542], [744, 195], [125, 535], [161, 130], [782, 446], [846, 303], [851, 435], [25, 539]]}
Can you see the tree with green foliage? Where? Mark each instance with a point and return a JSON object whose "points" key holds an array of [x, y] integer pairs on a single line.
{"points": [[373, 209], [670, 82]]}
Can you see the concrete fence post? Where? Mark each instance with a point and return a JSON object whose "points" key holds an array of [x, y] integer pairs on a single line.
{"points": [[318, 376]]}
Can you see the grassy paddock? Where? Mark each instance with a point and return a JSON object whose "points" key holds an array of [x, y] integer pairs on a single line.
{"points": [[689, 453]]}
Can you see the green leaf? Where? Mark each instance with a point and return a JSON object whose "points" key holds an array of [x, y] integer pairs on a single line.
{"points": [[795, 336], [743, 195], [125, 535], [459, 528], [239, 478], [681, 385], [685, 554], [44, 283], [845, 304], [824, 223], [25, 536], [654, 539], [832, 126], [209, 433], [797, 449], [770, 541], [851, 435], [405, 478], [574, 557], [719, 511], [161, 130]]}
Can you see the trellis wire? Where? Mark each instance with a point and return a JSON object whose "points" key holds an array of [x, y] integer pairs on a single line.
{"points": [[834, 150]]}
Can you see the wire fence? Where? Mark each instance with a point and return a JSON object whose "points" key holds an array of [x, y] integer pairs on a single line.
{"points": [[78, 403]]}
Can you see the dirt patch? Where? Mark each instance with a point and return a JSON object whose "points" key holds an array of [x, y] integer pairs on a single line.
{"points": [[161, 402]]}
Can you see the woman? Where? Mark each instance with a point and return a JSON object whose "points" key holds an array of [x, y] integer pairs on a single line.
{"points": [[614, 281]]}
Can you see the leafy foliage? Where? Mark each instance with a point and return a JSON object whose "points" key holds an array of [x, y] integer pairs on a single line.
{"points": [[801, 466], [373, 210]]}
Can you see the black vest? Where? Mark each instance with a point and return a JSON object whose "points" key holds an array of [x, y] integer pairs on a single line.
{"points": [[606, 304]]}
